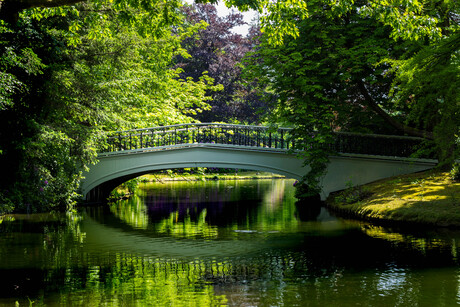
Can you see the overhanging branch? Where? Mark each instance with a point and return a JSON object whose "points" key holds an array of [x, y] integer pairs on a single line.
{"points": [[396, 124]]}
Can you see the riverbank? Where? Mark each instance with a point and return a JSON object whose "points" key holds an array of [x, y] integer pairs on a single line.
{"points": [[245, 175], [127, 189], [427, 198]]}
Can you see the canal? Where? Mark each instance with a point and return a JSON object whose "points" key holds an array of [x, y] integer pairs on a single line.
{"points": [[221, 243]]}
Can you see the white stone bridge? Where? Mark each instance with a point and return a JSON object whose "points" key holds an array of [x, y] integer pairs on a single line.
{"points": [[359, 158]]}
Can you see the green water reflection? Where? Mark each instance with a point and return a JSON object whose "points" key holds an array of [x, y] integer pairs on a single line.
{"points": [[226, 243]]}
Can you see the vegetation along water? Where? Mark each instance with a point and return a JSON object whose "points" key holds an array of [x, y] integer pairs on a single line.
{"points": [[221, 243]]}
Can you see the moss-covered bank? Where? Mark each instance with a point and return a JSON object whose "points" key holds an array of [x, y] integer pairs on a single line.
{"points": [[428, 198]]}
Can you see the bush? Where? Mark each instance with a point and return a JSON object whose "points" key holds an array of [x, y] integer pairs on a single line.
{"points": [[455, 172], [6, 206]]}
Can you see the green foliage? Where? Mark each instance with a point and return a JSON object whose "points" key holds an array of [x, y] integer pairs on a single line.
{"points": [[412, 19], [317, 78], [408, 19], [302, 190], [151, 18], [428, 84], [6, 205], [58, 97], [337, 74], [130, 80], [455, 172]]}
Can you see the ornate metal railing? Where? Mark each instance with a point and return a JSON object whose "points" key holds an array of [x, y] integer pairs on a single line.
{"points": [[240, 135], [378, 144], [254, 136]]}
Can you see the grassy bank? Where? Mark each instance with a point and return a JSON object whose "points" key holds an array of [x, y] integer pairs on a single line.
{"points": [[128, 188], [429, 198], [245, 175]]}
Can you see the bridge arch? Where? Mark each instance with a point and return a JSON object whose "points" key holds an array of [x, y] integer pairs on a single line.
{"points": [[112, 170]]}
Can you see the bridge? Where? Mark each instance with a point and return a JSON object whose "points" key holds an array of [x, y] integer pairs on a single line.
{"points": [[359, 158]]}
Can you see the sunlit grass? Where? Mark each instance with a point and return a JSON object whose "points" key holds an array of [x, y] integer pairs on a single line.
{"points": [[244, 175], [429, 198]]}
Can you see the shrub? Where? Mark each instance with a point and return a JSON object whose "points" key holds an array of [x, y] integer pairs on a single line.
{"points": [[455, 172]]}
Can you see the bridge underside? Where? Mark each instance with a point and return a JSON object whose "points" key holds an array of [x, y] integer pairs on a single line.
{"points": [[114, 169]]}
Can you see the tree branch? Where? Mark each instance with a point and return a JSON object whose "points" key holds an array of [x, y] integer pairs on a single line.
{"points": [[396, 124]]}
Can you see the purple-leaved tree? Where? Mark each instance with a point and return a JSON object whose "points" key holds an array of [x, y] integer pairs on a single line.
{"points": [[219, 52]]}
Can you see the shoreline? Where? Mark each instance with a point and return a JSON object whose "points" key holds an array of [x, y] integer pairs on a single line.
{"points": [[210, 177], [428, 198], [123, 192]]}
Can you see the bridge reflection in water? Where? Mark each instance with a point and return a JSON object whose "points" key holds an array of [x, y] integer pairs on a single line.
{"points": [[360, 158]]}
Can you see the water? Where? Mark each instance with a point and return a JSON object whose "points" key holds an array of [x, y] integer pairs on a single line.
{"points": [[227, 243]]}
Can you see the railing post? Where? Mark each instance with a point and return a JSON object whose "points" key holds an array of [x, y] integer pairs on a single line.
{"points": [[282, 139], [152, 141], [239, 136], [186, 135], [246, 136], [141, 140], [130, 141], [221, 135], [258, 138]]}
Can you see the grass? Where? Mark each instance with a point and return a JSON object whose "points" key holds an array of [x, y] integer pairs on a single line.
{"points": [[122, 191], [429, 198], [244, 175]]}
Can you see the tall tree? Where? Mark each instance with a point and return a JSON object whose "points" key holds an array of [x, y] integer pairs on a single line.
{"points": [[219, 52], [57, 99], [334, 75]]}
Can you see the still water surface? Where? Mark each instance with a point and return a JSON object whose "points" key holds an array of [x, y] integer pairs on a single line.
{"points": [[227, 243]]}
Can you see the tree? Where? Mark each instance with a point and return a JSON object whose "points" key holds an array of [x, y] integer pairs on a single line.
{"points": [[219, 52], [335, 72], [428, 84], [58, 98]]}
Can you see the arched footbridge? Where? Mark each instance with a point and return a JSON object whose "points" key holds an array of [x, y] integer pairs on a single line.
{"points": [[360, 158]]}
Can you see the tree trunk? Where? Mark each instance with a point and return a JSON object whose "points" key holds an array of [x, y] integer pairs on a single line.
{"points": [[399, 126]]}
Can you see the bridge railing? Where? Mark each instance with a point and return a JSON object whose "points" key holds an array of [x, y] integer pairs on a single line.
{"points": [[240, 135], [378, 144], [255, 136]]}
